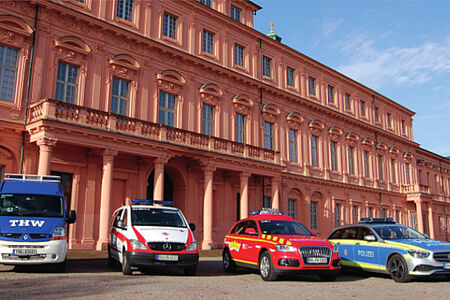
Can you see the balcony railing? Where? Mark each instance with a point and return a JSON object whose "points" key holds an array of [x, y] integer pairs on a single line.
{"points": [[96, 119], [416, 188]]}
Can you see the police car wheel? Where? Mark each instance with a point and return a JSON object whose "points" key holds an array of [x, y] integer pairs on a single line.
{"points": [[126, 268], [228, 264], [398, 269], [266, 269]]}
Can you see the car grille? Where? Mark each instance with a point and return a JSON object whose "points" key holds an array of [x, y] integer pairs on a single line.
{"points": [[165, 246], [442, 256], [315, 252], [34, 236]]}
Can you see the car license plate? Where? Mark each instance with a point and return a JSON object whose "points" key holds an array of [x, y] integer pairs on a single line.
{"points": [[24, 251], [317, 260], [446, 266], [166, 257]]}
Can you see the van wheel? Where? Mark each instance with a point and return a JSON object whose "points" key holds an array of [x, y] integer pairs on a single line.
{"points": [[126, 268], [228, 264], [398, 269], [266, 269]]}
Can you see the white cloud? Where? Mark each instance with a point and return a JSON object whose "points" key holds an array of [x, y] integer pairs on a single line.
{"points": [[378, 67], [330, 25]]}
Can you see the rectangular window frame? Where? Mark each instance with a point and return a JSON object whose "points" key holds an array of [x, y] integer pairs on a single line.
{"points": [[351, 160], [120, 96], [267, 66], [268, 135], [167, 109], [235, 13], [8, 72], [67, 83], [170, 24], [348, 103], [314, 151], [313, 214], [239, 55], [330, 94], [292, 208], [124, 10], [239, 125], [333, 154], [290, 77], [311, 86], [207, 119], [293, 145], [366, 160]]}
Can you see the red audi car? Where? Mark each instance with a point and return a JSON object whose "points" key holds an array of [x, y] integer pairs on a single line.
{"points": [[275, 244]]}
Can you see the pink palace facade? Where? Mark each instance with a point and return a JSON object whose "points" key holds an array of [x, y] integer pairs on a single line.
{"points": [[185, 101]]}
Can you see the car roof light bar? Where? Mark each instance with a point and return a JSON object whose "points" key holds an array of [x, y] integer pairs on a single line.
{"points": [[151, 202], [377, 221], [32, 177]]}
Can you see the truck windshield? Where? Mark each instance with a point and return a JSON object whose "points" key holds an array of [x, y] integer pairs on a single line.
{"points": [[30, 205], [142, 216]]}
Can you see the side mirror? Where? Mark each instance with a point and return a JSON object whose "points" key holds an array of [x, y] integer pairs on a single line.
{"points": [[71, 216], [192, 226], [313, 232], [370, 238], [250, 231], [427, 236], [119, 224]]}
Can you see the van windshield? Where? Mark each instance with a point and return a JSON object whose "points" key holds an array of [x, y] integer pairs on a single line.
{"points": [[143, 216], [31, 205]]}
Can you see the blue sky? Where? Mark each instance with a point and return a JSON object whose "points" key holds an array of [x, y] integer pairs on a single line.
{"points": [[401, 49]]}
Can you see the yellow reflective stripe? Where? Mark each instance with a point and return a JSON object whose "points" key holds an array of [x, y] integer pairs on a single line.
{"points": [[386, 244], [288, 243], [275, 238], [362, 265], [281, 241], [406, 246], [245, 261], [263, 236], [250, 239]]}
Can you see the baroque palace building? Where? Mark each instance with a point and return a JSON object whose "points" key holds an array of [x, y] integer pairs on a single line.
{"points": [[185, 101]]}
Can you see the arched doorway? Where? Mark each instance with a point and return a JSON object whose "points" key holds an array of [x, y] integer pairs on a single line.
{"points": [[168, 186]]}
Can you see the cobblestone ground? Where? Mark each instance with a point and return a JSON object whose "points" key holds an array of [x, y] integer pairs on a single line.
{"points": [[92, 279]]}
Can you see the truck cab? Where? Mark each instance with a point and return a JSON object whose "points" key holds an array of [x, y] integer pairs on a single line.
{"points": [[33, 220]]}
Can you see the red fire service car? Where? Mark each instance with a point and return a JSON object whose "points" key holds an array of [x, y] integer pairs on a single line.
{"points": [[276, 244]]}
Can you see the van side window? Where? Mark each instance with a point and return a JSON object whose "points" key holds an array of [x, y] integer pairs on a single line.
{"points": [[239, 228], [116, 217], [125, 218]]}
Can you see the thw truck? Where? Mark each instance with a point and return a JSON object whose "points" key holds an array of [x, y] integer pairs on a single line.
{"points": [[33, 220]]}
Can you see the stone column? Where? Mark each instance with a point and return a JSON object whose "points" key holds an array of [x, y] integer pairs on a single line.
{"points": [[430, 219], [105, 201], [244, 194], [419, 215], [275, 193], [208, 243], [46, 145], [158, 186]]}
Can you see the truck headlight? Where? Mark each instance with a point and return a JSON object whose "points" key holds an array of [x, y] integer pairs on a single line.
{"points": [[418, 254], [285, 248], [192, 246], [135, 244], [59, 233]]}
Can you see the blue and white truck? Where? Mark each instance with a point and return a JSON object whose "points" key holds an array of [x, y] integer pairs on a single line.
{"points": [[33, 221]]}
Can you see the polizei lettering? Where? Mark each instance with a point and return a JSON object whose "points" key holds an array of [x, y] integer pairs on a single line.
{"points": [[26, 223]]}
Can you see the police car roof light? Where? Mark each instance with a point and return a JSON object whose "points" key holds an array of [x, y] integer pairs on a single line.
{"points": [[47, 178], [267, 211], [377, 221], [151, 202]]}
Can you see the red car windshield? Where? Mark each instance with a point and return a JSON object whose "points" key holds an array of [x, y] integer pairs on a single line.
{"points": [[283, 227]]}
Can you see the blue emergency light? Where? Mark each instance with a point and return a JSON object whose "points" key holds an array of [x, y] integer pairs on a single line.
{"points": [[151, 202], [377, 221]]}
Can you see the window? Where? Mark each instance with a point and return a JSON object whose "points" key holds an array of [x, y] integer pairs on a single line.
{"points": [[347, 102], [355, 217], [351, 161], [420, 177], [208, 42], [397, 216], [380, 167], [440, 224], [207, 119], [314, 151], [124, 9], [8, 69], [312, 86], [435, 184], [66, 82], [235, 13], [383, 212], [206, 2], [240, 128], [428, 178], [330, 94], [363, 108], [333, 147], [337, 215], [120, 96], [377, 116], [394, 180], [292, 145], [413, 219], [170, 26], [389, 121], [314, 215], [290, 76], [366, 164], [403, 127], [267, 203], [408, 175], [238, 55], [292, 208], [2, 172], [370, 212], [268, 135], [166, 109], [266, 66]]}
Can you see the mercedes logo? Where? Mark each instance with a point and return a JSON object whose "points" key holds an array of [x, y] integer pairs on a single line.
{"points": [[167, 247]]}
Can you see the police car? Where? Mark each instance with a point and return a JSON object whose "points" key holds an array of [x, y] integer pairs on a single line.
{"points": [[147, 234], [381, 245], [275, 244]]}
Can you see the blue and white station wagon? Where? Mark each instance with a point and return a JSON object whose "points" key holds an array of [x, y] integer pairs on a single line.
{"points": [[381, 245]]}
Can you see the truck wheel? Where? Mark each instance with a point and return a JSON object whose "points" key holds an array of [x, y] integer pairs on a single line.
{"points": [[190, 271], [398, 269], [266, 269], [61, 267], [228, 264], [126, 268]]}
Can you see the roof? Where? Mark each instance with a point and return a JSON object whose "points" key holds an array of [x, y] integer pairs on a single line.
{"points": [[31, 187]]}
